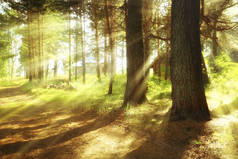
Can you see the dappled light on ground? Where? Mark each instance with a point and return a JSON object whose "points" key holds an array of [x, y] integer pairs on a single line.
{"points": [[52, 123]]}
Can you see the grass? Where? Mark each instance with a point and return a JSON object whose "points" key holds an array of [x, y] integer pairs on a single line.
{"points": [[83, 115]]}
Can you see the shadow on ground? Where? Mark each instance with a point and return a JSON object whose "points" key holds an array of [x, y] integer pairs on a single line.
{"points": [[174, 140]]}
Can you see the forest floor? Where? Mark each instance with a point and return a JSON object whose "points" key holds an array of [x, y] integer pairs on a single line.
{"points": [[31, 128]]}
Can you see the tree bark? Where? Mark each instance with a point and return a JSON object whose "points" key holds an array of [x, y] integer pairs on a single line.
{"points": [[136, 87], [82, 22], [69, 27], [55, 68], [105, 52], [112, 46], [122, 57], [167, 57], [97, 52], [29, 46], [188, 94], [39, 47], [76, 49]]}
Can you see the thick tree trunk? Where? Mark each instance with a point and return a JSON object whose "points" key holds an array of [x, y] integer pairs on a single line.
{"points": [[188, 94], [135, 88]]}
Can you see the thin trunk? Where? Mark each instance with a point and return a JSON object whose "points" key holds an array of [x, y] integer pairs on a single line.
{"points": [[105, 53], [69, 27], [97, 52], [76, 49], [55, 68], [166, 75], [82, 30], [39, 47], [42, 46], [204, 72], [12, 67], [29, 46], [188, 94], [47, 69], [214, 41], [112, 47], [122, 58]]}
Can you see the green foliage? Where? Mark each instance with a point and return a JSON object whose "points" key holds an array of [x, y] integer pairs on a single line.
{"points": [[222, 92], [158, 89]]}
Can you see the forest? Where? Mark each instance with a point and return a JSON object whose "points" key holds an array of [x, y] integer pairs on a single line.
{"points": [[118, 79]]}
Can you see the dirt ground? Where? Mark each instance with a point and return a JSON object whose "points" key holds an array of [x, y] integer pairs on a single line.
{"points": [[47, 131]]}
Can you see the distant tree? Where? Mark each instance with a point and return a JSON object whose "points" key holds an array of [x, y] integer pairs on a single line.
{"points": [[95, 12], [110, 26], [188, 94]]}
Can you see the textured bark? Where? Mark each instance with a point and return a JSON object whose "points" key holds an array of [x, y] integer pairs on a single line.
{"points": [[135, 88], [188, 95]]}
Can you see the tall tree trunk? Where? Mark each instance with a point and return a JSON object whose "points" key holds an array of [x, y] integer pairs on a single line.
{"points": [[39, 47], [47, 69], [204, 72], [166, 75], [97, 52], [214, 41], [42, 46], [29, 46], [82, 30], [188, 94], [112, 46], [76, 49], [33, 47], [55, 68], [122, 57], [69, 27], [105, 52], [135, 88]]}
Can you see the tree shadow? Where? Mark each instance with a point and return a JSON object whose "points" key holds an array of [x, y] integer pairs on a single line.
{"points": [[11, 92], [171, 140], [28, 146]]}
